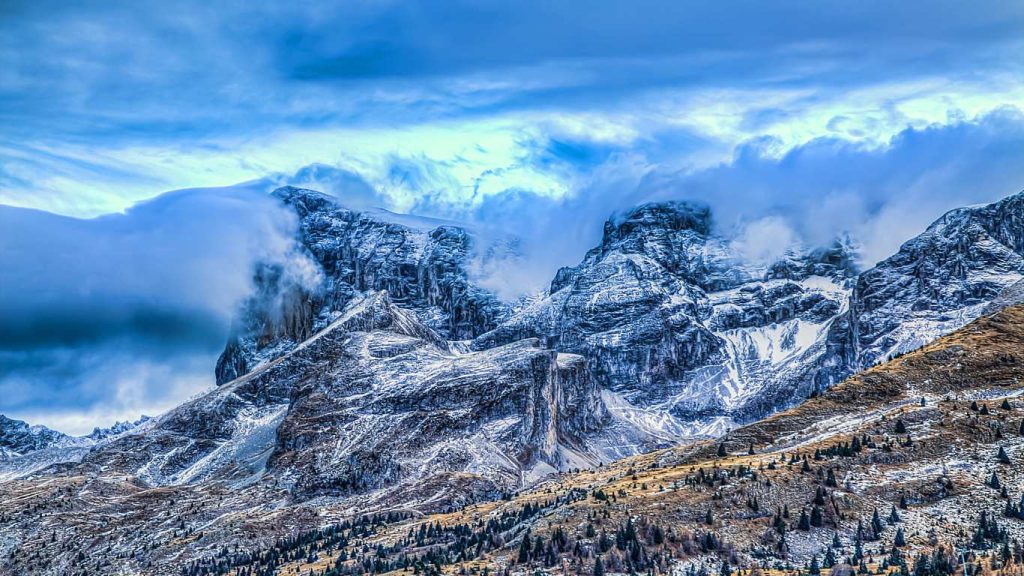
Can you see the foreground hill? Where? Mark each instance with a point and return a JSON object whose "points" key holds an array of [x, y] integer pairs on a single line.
{"points": [[914, 465], [934, 435]]}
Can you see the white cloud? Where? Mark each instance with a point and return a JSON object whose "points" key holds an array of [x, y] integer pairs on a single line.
{"points": [[765, 240], [126, 313]]}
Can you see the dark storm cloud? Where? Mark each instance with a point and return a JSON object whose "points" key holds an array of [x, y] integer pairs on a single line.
{"points": [[121, 71]]}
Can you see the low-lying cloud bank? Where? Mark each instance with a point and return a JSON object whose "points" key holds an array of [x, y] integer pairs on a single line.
{"points": [[124, 313]]}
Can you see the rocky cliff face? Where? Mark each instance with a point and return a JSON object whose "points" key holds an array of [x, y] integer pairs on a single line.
{"points": [[681, 333], [937, 282], [680, 330], [423, 264], [18, 438], [688, 337], [374, 401]]}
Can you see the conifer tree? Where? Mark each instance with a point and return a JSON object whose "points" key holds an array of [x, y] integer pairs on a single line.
{"points": [[805, 522], [817, 518], [819, 496], [830, 558], [876, 523], [779, 524], [524, 548], [894, 517]]}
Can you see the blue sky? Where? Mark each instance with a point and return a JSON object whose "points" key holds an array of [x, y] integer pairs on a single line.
{"points": [[794, 120]]}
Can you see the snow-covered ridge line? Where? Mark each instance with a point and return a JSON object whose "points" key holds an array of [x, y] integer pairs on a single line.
{"points": [[427, 266]]}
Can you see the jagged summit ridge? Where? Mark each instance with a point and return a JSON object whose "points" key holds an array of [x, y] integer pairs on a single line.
{"points": [[18, 437], [678, 326], [424, 269]]}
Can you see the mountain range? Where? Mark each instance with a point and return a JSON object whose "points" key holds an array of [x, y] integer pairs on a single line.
{"points": [[401, 384]]}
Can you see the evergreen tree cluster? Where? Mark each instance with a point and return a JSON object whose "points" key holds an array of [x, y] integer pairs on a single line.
{"points": [[1014, 510], [424, 550]]}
